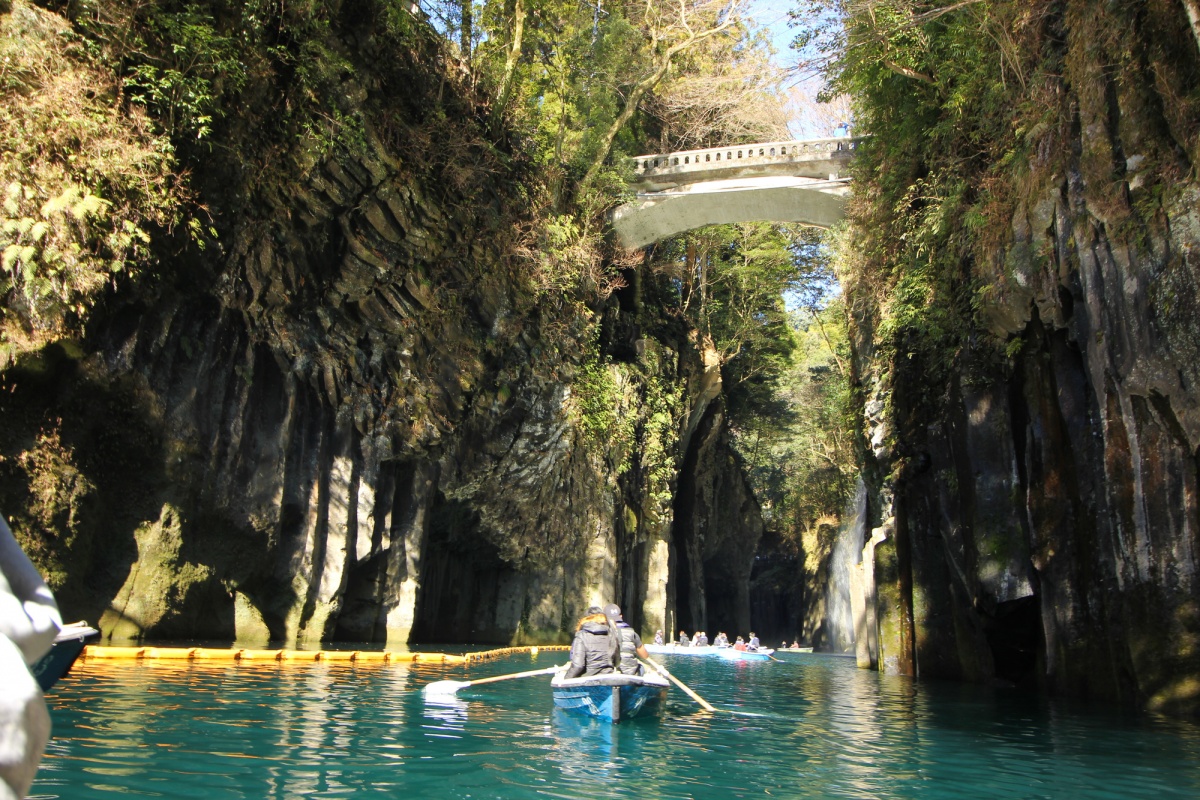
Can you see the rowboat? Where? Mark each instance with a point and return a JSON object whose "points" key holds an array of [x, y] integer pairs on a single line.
{"points": [[612, 697], [733, 654], [68, 644], [677, 650], [792, 653]]}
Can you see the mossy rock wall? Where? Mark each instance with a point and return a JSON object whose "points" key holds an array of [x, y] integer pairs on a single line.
{"points": [[1041, 464], [347, 415]]}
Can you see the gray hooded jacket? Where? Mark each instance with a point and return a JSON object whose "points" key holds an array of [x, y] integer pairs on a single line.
{"points": [[591, 652]]}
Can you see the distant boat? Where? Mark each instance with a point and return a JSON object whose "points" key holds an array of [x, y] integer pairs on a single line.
{"points": [[733, 654], [680, 650], [66, 648], [792, 653], [612, 697]]}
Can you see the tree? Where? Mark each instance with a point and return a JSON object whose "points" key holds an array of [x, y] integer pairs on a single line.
{"points": [[669, 29], [720, 94]]}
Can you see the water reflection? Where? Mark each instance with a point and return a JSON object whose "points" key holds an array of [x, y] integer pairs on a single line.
{"points": [[447, 714], [826, 730]]}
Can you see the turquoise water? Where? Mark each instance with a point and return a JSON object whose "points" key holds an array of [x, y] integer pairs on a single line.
{"points": [[822, 729]]}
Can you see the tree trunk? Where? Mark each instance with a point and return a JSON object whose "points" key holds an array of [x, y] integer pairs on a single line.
{"points": [[1192, 7], [465, 33], [514, 54]]}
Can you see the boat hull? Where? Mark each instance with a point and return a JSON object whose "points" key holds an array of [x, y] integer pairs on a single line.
{"points": [[792, 653], [730, 654], [66, 648], [676, 650], [611, 698]]}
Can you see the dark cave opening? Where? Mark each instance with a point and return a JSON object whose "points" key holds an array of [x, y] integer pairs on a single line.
{"points": [[464, 581], [1014, 634]]}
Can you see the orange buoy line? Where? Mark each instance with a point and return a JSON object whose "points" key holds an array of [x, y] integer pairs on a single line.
{"points": [[485, 655], [101, 653]]}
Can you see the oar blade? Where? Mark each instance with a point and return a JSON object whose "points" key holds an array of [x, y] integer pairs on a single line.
{"points": [[439, 688]]}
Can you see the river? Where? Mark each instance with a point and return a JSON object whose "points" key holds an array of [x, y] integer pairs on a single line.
{"points": [[818, 727]]}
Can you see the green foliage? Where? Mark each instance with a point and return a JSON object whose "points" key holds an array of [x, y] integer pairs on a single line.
{"points": [[598, 402], [730, 282], [784, 372], [662, 404], [187, 57], [580, 78], [83, 182], [969, 108], [47, 523]]}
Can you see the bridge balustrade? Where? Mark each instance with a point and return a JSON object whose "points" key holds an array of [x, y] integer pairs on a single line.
{"points": [[712, 157]]}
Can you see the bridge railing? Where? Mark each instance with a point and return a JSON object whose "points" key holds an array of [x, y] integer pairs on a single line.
{"points": [[744, 155]]}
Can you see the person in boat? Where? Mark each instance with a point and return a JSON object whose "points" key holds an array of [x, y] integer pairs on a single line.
{"points": [[29, 621], [631, 644], [684, 641], [754, 643], [658, 638], [594, 651], [721, 641], [740, 644], [701, 639], [795, 644]]}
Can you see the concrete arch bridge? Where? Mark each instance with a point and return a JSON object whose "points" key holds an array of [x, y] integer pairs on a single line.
{"points": [[798, 181]]}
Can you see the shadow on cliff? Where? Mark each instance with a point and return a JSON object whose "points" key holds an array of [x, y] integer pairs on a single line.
{"points": [[85, 477]]}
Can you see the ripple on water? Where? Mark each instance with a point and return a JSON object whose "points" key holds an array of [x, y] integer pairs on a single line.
{"points": [[826, 730]]}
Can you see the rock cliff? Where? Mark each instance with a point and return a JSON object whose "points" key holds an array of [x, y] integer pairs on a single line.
{"points": [[1036, 516], [355, 417]]}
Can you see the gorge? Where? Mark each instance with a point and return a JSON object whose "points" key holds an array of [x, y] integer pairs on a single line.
{"points": [[394, 385]]}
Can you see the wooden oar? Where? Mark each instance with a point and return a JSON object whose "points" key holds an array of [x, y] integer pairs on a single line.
{"points": [[703, 703], [450, 687]]}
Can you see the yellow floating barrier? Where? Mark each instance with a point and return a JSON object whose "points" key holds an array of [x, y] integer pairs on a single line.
{"points": [[174, 653], [106, 653], [118, 653], [487, 655]]}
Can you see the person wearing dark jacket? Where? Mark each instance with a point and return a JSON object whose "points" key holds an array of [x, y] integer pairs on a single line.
{"points": [[594, 651], [631, 644]]}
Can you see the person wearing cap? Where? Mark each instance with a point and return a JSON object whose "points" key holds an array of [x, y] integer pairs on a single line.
{"points": [[594, 651], [631, 644]]}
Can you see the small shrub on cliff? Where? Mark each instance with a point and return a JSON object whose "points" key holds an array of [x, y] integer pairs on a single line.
{"points": [[48, 522], [84, 182]]}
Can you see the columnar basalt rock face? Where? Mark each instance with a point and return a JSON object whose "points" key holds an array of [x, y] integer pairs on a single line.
{"points": [[1042, 522], [351, 422]]}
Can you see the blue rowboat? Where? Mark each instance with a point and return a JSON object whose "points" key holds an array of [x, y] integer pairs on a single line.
{"points": [[611, 697], [66, 648], [732, 654]]}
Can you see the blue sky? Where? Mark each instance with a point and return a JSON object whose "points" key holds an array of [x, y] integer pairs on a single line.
{"points": [[808, 121], [773, 15]]}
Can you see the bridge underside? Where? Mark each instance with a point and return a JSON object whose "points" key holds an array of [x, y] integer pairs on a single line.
{"points": [[657, 215]]}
